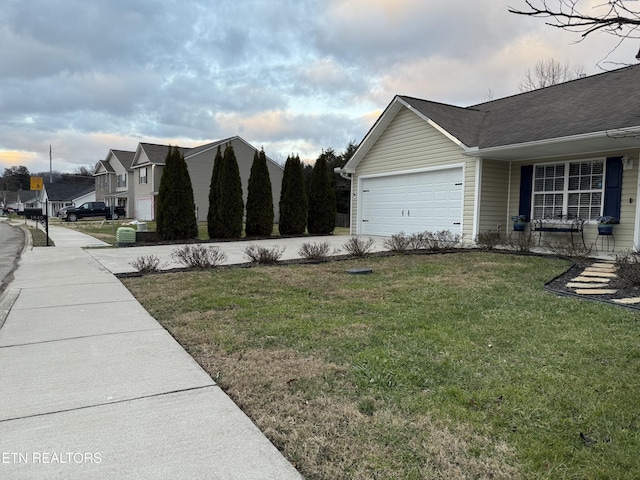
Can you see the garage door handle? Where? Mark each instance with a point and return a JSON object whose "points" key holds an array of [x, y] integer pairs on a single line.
{"points": [[363, 220], [408, 213], [459, 183], [403, 213], [456, 223]]}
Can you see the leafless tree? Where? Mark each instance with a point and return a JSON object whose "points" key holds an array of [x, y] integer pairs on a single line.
{"points": [[615, 17], [549, 72]]}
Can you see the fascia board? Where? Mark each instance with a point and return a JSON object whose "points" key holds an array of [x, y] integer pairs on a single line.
{"points": [[444, 132], [618, 133]]}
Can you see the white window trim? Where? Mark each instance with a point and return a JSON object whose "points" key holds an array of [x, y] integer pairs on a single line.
{"points": [[565, 191]]}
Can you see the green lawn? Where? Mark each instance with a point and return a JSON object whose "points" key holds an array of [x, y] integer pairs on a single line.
{"points": [[435, 366]]}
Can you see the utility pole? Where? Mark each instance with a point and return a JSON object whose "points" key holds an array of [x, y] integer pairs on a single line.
{"points": [[50, 166]]}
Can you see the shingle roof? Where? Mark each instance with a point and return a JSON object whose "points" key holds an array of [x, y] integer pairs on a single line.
{"points": [[125, 157], [158, 153], [200, 148], [65, 192], [104, 165], [598, 103]]}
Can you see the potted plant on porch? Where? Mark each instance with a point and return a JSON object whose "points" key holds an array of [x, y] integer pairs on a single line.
{"points": [[605, 224], [519, 223]]}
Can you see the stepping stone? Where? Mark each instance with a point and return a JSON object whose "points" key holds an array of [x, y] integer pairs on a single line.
{"points": [[586, 285], [587, 273], [627, 301], [594, 268], [595, 291], [590, 279]]}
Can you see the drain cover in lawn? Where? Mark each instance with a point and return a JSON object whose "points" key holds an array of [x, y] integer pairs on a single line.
{"points": [[360, 271]]}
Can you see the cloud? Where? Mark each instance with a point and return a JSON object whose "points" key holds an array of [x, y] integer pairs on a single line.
{"points": [[292, 75]]}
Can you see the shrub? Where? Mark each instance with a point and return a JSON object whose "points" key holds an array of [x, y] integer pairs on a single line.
{"points": [[628, 265], [520, 242], [442, 240], [397, 243], [568, 246], [230, 202], [263, 255], [418, 240], [293, 199], [322, 200], [199, 256], [147, 264], [358, 247], [488, 240], [214, 225], [316, 251], [259, 199], [176, 217]]}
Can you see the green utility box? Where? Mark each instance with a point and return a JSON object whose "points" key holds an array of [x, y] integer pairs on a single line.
{"points": [[125, 235]]}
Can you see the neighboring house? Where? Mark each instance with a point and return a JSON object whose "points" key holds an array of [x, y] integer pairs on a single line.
{"points": [[200, 164], [114, 178], [147, 165], [571, 149], [27, 199], [54, 196], [149, 160]]}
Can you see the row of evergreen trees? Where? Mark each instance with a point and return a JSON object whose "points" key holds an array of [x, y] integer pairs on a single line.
{"points": [[299, 211]]}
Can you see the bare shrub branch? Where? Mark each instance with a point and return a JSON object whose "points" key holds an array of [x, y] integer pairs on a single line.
{"points": [[199, 256], [319, 251], [147, 264], [263, 255], [358, 247]]}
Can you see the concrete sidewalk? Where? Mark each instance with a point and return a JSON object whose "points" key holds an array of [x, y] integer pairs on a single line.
{"points": [[91, 386]]}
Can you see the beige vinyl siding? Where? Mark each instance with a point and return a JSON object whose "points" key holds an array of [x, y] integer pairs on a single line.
{"points": [[623, 232], [409, 144], [494, 196]]}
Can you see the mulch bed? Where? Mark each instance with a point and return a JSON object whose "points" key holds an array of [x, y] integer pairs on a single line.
{"points": [[559, 285]]}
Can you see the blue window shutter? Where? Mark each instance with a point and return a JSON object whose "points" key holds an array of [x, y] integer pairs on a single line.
{"points": [[613, 187], [526, 186]]}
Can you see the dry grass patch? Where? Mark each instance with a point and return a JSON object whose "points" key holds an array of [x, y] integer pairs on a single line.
{"points": [[290, 398]]}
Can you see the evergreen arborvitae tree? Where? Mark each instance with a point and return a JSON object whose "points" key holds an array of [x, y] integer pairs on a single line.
{"points": [[322, 200], [213, 215], [231, 205], [293, 199], [176, 216], [259, 220]]}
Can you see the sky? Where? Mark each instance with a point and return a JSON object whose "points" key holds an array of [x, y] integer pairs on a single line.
{"points": [[291, 76]]}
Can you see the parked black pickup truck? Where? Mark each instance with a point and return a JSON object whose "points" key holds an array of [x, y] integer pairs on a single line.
{"points": [[91, 209]]}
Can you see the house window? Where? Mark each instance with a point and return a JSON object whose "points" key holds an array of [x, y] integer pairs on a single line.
{"points": [[122, 180], [574, 189], [143, 175]]}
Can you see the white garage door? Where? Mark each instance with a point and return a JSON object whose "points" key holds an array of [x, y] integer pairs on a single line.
{"points": [[412, 203], [144, 208]]}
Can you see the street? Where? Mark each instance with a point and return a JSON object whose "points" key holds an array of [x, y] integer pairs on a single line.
{"points": [[11, 244]]}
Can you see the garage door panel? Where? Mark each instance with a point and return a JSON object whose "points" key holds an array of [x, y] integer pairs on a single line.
{"points": [[412, 203]]}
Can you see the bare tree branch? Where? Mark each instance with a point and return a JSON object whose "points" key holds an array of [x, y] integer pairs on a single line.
{"points": [[613, 16], [547, 73]]}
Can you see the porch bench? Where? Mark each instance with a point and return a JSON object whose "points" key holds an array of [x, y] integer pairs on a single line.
{"points": [[559, 225]]}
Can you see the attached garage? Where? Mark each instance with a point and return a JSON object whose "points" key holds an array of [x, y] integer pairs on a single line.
{"points": [[412, 202], [144, 208]]}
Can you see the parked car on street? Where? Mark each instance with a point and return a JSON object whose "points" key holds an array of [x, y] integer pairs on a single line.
{"points": [[92, 209]]}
